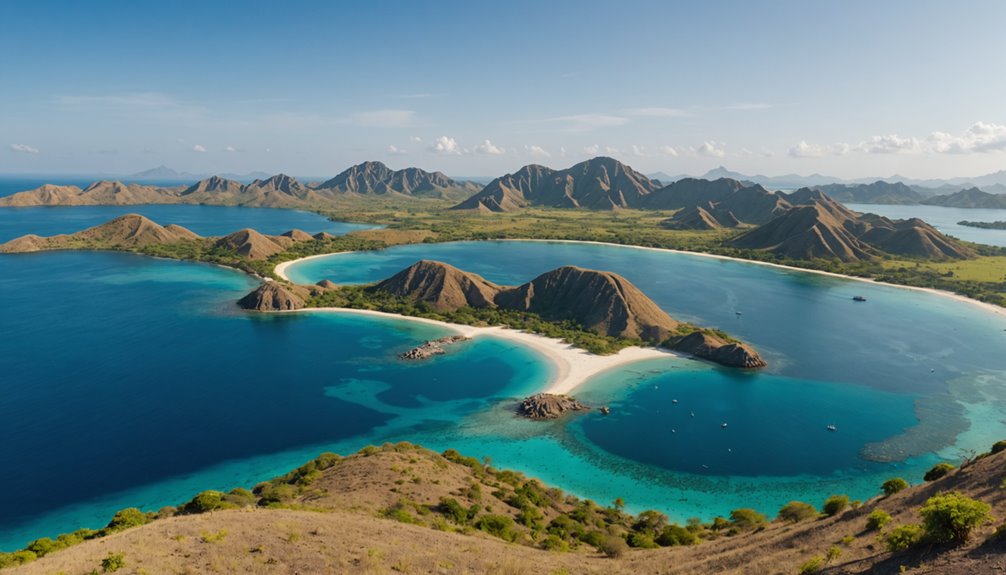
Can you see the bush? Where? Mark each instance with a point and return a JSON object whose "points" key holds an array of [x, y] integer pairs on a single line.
{"points": [[835, 505], [796, 511], [126, 518], [903, 537], [894, 485], [812, 566], [450, 508], [205, 502], [641, 541], [746, 518], [939, 470], [17, 558], [499, 526], [834, 552], [554, 543], [613, 546], [651, 522], [999, 446], [876, 520], [44, 546], [113, 562], [676, 535], [950, 517]]}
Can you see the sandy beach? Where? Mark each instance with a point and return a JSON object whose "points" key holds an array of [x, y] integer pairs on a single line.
{"points": [[281, 270], [572, 366]]}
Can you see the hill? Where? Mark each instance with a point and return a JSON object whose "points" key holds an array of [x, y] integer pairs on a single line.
{"points": [[104, 193], [401, 508], [599, 184], [879, 192], [714, 204], [127, 231], [442, 286], [819, 227], [375, 178], [969, 198]]}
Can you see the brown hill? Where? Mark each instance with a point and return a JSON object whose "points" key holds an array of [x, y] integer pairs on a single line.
{"points": [[383, 511], [45, 195], [108, 193], [375, 178], [602, 302], [722, 203], [443, 286], [272, 296], [713, 348], [690, 192], [599, 184], [912, 237], [251, 244], [704, 217], [298, 235], [127, 231], [212, 189]]}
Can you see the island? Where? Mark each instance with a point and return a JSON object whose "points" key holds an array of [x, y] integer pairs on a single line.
{"points": [[548, 406], [998, 225], [599, 311]]}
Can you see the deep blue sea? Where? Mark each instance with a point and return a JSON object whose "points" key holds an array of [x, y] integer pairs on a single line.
{"points": [[131, 381]]}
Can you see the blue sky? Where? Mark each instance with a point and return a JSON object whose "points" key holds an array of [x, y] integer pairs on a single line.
{"points": [[850, 88]]}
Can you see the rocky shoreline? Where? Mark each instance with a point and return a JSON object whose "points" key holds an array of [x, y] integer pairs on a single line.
{"points": [[548, 406], [432, 347]]}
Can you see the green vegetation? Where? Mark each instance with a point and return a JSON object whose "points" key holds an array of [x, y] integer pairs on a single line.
{"points": [[835, 505], [903, 537], [999, 446], [877, 519], [939, 470], [113, 562], [813, 565], [894, 485], [744, 519], [950, 517], [983, 225], [796, 511]]}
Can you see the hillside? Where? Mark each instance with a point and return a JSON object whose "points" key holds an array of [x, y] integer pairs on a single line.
{"points": [[130, 230], [969, 198], [819, 227], [442, 286], [401, 508], [715, 204], [104, 193], [599, 184], [375, 178], [879, 192]]}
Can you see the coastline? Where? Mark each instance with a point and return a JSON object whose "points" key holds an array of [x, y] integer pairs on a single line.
{"points": [[281, 268], [572, 366]]}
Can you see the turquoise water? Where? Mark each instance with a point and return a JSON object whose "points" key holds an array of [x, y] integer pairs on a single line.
{"points": [[204, 220], [945, 220], [134, 381]]}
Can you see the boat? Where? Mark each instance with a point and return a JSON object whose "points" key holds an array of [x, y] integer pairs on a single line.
{"points": [[605, 410], [831, 428], [724, 426], [858, 298]]}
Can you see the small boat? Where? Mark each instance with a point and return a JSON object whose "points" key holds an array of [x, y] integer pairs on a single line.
{"points": [[858, 298], [693, 414], [605, 410], [739, 312], [831, 428], [674, 401], [724, 426]]}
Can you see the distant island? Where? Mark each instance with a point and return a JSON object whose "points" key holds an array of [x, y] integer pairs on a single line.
{"points": [[601, 312], [984, 225]]}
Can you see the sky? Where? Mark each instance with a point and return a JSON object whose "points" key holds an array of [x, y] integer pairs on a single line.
{"points": [[851, 89]]}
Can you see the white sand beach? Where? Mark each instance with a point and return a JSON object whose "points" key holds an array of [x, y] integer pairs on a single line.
{"points": [[573, 366]]}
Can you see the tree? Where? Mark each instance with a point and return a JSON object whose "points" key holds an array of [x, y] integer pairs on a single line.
{"points": [[835, 505], [876, 520], [950, 517], [939, 470], [903, 537], [796, 511], [894, 485], [650, 522], [746, 518]]}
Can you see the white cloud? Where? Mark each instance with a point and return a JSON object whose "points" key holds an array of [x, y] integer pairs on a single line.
{"points": [[889, 144], [638, 151], [416, 139], [395, 150], [591, 150], [230, 149], [805, 150], [668, 151], [562, 152], [657, 112], [488, 147], [198, 148], [537, 152], [384, 118], [713, 149], [445, 145], [24, 148], [980, 137], [610, 151]]}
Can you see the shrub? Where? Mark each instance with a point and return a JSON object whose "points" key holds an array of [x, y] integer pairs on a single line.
{"points": [[398, 512], [652, 522], [594, 538], [17, 558], [499, 526], [641, 541], [903, 537], [834, 552], [205, 502], [813, 565], [450, 508], [999, 446], [796, 511], [42, 547], [113, 562], [554, 543], [876, 520], [835, 505], [613, 546], [894, 485], [746, 518], [939, 470], [719, 524], [950, 517], [126, 518], [676, 535]]}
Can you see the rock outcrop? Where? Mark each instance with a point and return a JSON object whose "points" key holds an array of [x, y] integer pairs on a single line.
{"points": [[548, 406], [273, 296], [432, 347], [705, 345]]}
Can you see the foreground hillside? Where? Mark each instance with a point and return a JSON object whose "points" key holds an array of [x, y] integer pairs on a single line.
{"points": [[404, 509]]}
